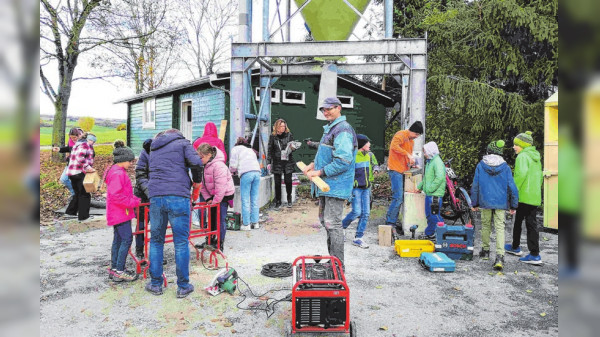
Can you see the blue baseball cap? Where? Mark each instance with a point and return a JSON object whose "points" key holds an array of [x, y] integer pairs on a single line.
{"points": [[330, 102]]}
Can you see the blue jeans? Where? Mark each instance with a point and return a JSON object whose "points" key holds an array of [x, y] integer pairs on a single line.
{"points": [[122, 239], [432, 219], [64, 179], [397, 180], [249, 187], [360, 207], [174, 210]]}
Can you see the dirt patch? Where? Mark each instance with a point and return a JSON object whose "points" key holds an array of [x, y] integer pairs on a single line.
{"points": [[301, 219]]}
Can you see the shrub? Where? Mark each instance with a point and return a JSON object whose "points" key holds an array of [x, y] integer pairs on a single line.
{"points": [[86, 123], [122, 127]]}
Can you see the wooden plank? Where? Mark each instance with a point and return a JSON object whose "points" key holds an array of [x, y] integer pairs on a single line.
{"points": [[411, 182], [551, 201], [222, 130], [385, 235]]}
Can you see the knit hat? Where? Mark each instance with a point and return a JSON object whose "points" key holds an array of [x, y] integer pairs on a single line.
{"points": [[122, 153], [416, 127], [362, 140], [431, 149], [496, 147], [523, 139], [91, 137]]}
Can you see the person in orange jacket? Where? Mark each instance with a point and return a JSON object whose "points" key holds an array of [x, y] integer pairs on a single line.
{"points": [[400, 160]]}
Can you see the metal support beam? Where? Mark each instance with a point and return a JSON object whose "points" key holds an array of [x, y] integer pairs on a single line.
{"points": [[332, 48], [417, 93], [289, 18], [388, 9], [397, 67]]}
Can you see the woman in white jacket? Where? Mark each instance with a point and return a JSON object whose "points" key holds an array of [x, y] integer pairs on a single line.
{"points": [[244, 161]]}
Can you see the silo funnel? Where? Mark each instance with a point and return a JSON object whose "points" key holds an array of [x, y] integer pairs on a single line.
{"points": [[331, 20]]}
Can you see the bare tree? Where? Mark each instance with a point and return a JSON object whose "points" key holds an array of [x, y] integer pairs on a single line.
{"points": [[207, 27], [149, 59], [63, 38]]}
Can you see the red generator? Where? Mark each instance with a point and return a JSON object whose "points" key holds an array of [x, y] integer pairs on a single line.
{"points": [[320, 297]]}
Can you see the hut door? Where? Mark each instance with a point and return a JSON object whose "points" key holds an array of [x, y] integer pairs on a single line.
{"points": [[186, 120]]}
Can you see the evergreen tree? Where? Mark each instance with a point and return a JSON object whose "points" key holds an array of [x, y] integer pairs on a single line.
{"points": [[491, 66]]}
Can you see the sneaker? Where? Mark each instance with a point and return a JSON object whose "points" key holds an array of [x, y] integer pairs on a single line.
{"points": [[484, 254], [509, 249], [277, 206], [531, 259], [360, 243], [429, 237], [245, 227], [289, 204], [124, 276], [154, 290], [499, 263], [111, 272], [255, 225], [183, 292]]}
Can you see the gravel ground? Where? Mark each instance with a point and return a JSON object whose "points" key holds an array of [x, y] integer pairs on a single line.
{"points": [[390, 296]]}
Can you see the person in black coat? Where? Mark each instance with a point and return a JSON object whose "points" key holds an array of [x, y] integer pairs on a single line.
{"points": [[142, 171], [280, 160]]}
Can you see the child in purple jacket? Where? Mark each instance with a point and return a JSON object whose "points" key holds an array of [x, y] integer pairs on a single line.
{"points": [[120, 209]]}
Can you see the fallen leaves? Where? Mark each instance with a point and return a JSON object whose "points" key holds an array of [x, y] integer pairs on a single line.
{"points": [[543, 314], [383, 328], [529, 291]]}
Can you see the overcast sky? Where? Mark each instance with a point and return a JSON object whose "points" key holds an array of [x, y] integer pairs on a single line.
{"points": [[95, 98]]}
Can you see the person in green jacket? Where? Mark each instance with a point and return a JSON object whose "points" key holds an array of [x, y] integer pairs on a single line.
{"points": [[528, 178], [434, 186]]}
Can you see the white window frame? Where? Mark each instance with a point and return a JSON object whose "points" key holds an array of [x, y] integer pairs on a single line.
{"points": [[274, 98], [351, 105], [151, 123], [293, 101]]}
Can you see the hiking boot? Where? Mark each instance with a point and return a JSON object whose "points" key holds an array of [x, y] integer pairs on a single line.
{"points": [[484, 254], [509, 249], [245, 227], [124, 276], [360, 243], [183, 292], [532, 259], [499, 263], [255, 225], [154, 290], [399, 230]]}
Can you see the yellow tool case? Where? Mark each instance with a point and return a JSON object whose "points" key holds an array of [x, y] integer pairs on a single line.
{"points": [[413, 248]]}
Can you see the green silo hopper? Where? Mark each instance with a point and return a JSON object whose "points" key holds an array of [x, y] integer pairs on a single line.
{"points": [[331, 20]]}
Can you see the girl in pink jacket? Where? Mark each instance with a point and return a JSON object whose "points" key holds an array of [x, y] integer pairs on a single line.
{"points": [[217, 185], [120, 209]]}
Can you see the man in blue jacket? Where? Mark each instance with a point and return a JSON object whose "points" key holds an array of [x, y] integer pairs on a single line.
{"points": [[494, 191], [334, 163], [171, 156]]}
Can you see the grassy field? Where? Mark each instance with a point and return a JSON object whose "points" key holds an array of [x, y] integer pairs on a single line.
{"points": [[104, 134]]}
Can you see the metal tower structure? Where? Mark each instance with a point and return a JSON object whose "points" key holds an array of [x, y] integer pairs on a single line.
{"points": [[410, 70]]}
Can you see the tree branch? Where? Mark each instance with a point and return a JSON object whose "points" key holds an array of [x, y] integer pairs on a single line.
{"points": [[47, 87]]}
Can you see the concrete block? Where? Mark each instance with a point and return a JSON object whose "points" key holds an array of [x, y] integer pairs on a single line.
{"points": [[413, 212], [265, 194]]}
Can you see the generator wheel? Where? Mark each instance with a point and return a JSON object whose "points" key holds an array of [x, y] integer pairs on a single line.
{"points": [[287, 328], [352, 329]]}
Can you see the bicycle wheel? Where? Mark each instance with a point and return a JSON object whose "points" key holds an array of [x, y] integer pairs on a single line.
{"points": [[448, 212], [464, 207]]}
